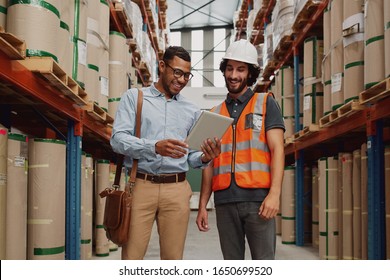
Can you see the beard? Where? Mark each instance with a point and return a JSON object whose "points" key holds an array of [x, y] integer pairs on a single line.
{"points": [[236, 89]]}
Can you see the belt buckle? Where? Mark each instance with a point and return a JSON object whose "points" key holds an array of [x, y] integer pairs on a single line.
{"points": [[155, 179]]}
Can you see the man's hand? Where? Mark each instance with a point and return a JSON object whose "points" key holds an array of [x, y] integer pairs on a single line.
{"points": [[270, 207], [171, 148], [202, 220], [211, 149]]}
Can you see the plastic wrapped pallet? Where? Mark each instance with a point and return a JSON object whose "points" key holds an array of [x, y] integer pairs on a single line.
{"points": [[268, 45], [328, 208], [386, 5], [16, 219], [374, 63], [313, 88], [249, 23], [86, 214], [46, 199], [3, 13], [337, 54], [37, 23], [282, 20], [288, 206], [102, 182], [3, 188], [257, 4], [353, 41]]}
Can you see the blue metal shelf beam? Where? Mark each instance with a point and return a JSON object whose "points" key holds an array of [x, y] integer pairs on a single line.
{"points": [[73, 194], [376, 192]]}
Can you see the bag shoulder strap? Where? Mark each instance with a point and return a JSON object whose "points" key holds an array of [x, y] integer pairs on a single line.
{"points": [[137, 134]]}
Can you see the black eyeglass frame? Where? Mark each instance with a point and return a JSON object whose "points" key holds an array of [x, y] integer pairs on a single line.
{"points": [[178, 73]]}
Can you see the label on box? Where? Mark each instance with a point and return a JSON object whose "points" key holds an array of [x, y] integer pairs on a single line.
{"points": [[336, 82], [19, 161], [306, 103], [104, 86], [3, 179], [82, 51]]}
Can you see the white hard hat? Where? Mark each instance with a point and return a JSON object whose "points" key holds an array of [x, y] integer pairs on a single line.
{"points": [[242, 50]]}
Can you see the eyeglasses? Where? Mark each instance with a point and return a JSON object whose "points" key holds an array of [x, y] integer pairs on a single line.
{"points": [[177, 73]]}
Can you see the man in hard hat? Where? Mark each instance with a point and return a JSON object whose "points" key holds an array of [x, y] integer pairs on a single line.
{"points": [[246, 177]]}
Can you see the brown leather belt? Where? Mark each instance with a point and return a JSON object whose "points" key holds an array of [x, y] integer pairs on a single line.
{"points": [[162, 179]]}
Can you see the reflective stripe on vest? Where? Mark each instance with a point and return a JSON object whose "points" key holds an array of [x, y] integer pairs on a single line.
{"points": [[244, 151]]}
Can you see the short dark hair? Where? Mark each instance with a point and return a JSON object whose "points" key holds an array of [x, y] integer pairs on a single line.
{"points": [[254, 71], [173, 51]]}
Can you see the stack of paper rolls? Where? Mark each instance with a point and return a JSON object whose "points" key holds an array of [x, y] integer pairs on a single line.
{"points": [[3, 188], [118, 56], [86, 206], [102, 182], [46, 199], [337, 54], [288, 206], [16, 219], [37, 23], [374, 63], [353, 37]]}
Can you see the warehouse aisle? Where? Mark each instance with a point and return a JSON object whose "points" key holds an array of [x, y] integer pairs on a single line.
{"points": [[205, 246]]}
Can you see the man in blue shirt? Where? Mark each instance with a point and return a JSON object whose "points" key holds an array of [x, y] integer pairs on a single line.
{"points": [[162, 192]]}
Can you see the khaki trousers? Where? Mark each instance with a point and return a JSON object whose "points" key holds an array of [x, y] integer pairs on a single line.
{"points": [[168, 204]]}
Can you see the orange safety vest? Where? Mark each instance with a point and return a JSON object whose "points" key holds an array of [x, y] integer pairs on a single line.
{"points": [[244, 149]]}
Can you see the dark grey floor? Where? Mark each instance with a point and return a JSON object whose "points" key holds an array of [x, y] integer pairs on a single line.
{"points": [[205, 245]]}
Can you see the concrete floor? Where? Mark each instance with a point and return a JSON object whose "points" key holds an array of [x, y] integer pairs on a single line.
{"points": [[205, 245]]}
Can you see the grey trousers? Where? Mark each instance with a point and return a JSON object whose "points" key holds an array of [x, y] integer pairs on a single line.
{"points": [[235, 221]]}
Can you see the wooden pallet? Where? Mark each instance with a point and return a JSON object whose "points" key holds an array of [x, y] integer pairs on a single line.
{"points": [[288, 140], [342, 112], [269, 68], [304, 15], [124, 20], [375, 93], [109, 120], [306, 131], [47, 68], [12, 46], [283, 46], [95, 111]]}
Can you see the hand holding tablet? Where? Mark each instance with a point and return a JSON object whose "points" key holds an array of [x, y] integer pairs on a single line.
{"points": [[208, 126]]}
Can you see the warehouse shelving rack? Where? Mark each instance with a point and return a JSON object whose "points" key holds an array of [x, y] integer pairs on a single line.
{"points": [[371, 125], [37, 107]]}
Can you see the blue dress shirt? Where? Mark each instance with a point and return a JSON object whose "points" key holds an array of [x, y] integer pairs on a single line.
{"points": [[161, 119]]}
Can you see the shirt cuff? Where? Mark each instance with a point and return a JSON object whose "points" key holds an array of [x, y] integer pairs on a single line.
{"points": [[203, 165], [150, 146]]}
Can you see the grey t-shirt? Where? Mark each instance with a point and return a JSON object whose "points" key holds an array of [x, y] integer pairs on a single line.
{"points": [[273, 119]]}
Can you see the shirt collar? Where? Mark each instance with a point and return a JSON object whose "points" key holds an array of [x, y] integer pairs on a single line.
{"points": [[156, 92], [242, 98]]}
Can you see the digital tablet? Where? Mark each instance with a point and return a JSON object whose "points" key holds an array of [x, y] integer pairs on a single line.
{"points": [[209, 125]]}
